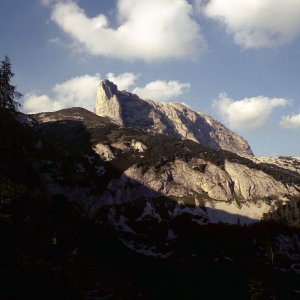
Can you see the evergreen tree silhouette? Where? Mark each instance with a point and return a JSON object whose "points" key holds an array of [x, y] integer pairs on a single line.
{"points": [[8, 92]]}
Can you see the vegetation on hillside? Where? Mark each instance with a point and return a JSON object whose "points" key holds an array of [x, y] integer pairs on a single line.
{"points": [[287, 213]]}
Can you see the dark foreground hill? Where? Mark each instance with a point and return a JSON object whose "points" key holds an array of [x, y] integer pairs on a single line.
{"points": [[91, 210]]}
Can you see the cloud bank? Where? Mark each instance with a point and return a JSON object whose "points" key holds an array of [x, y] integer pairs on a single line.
{"points": [[162, 90], [81, 91], [148, 30], [292, 121], [248, 113], [257, 23], [34, 103], [78, 91]]}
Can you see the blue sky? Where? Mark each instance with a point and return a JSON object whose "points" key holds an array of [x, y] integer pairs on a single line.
{"points": [[235, 60]]}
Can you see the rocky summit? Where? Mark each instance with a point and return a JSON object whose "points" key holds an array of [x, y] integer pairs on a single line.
{"points": [[167, 118]]}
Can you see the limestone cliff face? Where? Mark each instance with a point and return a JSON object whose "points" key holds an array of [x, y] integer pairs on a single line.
{"points": [[252, 184], [233, 194], [167, 118], [107, 103], [181, 179]]}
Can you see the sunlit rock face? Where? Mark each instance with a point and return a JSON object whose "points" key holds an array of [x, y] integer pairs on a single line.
{"points": [[174, 119]]}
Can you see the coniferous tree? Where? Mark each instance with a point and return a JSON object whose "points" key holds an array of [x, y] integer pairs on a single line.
{"points": [[8, 92]]}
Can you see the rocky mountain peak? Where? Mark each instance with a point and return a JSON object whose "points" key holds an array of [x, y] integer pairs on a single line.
{"points": [[168, 118], [107, 103], [107, 88]]}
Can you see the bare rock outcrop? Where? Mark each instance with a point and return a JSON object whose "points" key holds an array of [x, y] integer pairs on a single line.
{"points": [[167, 118], [251, 183], [104, 151], [182, 179], [137, 145]]}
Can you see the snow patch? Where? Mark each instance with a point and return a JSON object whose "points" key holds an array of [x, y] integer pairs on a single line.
{"points": [[111, 215], [123, 226], [100, 170], [191, 210], [171, 235], [90, 158], [145, 249], [149, 211], [200, 221], [118, 224]]}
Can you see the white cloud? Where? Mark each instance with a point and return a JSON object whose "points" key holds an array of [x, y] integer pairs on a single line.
{"points": [[258, 23], [81, 91], [34, 103], [123, 81], [78, 91], [248, 113], [292, 121], [149, 29], [162, 90]]}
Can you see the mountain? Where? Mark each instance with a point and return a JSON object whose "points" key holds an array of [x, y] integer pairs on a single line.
{"points": [[173, 119], [148, 166], [91, 209]]}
